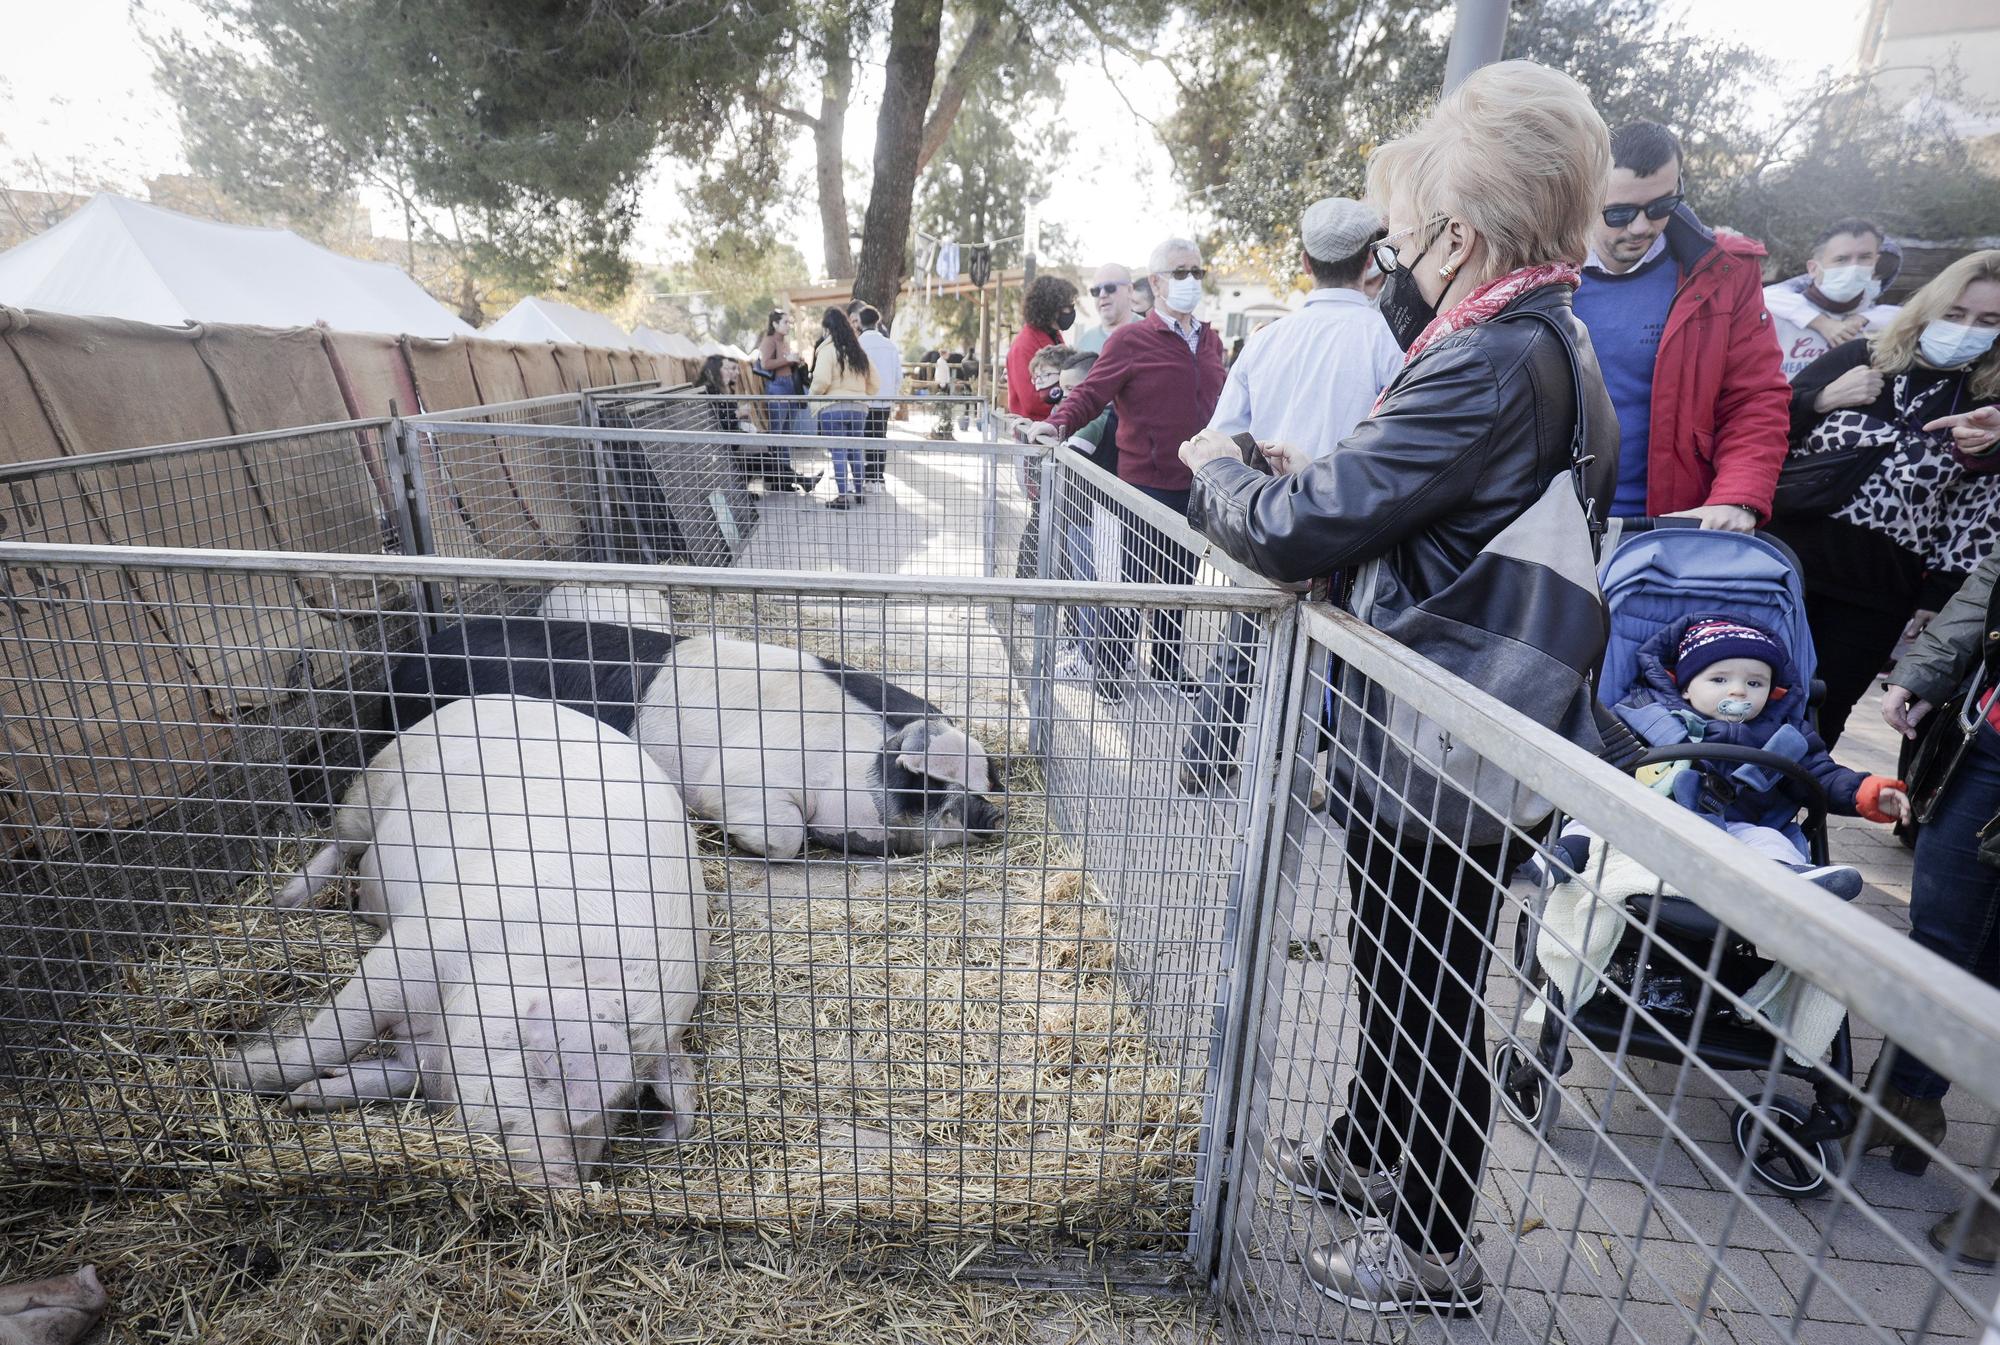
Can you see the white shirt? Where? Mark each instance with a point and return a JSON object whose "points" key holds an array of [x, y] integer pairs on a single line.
{"points": [[1310, 377], [1791, 311], [1593, 262], [887, 360]]}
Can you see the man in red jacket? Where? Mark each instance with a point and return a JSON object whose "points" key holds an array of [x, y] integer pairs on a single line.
{"points": [[1689, 352], [1163, 376]]}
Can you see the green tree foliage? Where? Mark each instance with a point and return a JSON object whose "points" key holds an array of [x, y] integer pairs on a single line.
{"points": [[725, 290], [1325, 82], [525, 125]]}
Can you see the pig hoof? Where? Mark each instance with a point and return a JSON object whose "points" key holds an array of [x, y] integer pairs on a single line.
{"points": [[294, 894]]}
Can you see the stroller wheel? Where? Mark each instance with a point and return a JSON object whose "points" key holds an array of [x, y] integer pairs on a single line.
{"points": [[1768, 1137], [1528, 1092]]}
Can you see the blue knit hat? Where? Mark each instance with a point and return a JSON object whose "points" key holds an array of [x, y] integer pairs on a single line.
{"points": [[1713, 639]]}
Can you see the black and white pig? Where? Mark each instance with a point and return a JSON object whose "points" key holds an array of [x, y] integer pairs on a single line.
{"points": [[608, 604], [596, 667], [545, 928], [781, 747]]}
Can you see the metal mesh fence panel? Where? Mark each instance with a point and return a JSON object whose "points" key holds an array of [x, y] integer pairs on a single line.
{"points": [[1601, 1076], [941, 988]]}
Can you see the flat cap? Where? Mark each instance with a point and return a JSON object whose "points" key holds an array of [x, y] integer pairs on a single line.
{"points": [[1336, 228]]}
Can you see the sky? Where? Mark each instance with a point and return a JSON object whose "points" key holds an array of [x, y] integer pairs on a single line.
{"points": [[77, 94]]}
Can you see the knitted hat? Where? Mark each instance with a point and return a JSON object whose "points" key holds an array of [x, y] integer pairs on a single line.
{"points": [[1713, 639], [1336, 228]]}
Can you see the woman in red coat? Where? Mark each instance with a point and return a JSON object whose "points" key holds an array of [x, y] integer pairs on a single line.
{"points": [[1048, 311]]}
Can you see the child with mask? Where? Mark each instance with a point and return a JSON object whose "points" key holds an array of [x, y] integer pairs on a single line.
{"points": [[1719, 679]]}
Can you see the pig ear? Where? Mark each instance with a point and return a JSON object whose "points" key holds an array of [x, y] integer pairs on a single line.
{"points": [[948, 754]]}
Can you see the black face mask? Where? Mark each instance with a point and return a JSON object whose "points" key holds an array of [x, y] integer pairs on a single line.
{"points": [[1403, 305], [1065, 319]]}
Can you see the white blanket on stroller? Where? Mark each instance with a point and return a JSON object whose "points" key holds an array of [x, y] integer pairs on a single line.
{"points": [[1578, 934]]}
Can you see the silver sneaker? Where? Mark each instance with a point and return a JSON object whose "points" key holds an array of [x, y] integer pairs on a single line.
{"points": [[1312, 1170], [1373, 1270]]}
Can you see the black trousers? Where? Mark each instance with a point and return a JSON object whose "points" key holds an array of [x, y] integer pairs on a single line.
{"points": [[1424, 914], [1223, 700], [875, 461]]}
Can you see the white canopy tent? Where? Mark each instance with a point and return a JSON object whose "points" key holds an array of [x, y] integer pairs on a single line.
{"points": [[536, 319], [681, 348], [121, 258], [652, 339]]}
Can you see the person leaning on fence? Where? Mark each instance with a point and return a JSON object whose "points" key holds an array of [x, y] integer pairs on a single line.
{"points": [[1919, 507], [887, 361], [1955, 891], [841, 369], [1047, 312], [1163, 376], [1045, 374], [1302, 385], [772, 466], [1489, 205]]}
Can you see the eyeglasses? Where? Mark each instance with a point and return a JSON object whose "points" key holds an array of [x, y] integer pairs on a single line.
{"points": [[1111, 287], [1387, 259], [1618, 216], [1184, 272]]}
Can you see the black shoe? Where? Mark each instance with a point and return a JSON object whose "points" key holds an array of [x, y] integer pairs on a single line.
{"points": [[841, 502]]}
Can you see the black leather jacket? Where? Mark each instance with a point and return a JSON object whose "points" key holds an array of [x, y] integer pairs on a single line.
{"points": [[1466, 438]]}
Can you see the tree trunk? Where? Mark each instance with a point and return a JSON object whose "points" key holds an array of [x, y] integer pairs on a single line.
{"points": [[915, 28], [829, 142], [957, 80]]}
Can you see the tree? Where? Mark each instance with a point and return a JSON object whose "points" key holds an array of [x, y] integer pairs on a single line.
{"points": [[724, 290], [520, 129]]}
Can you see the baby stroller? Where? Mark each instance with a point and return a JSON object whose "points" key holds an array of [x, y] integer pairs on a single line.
{"points": [[1660, 574]]}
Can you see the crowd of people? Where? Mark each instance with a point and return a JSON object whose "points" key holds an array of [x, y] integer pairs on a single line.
{"points": [[1409, 410]]}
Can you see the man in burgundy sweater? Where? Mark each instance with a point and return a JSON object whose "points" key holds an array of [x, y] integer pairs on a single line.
{"points": [[1163, 375]]}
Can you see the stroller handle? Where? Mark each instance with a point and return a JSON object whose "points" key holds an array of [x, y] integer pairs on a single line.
{"points": [[1816, 800]]}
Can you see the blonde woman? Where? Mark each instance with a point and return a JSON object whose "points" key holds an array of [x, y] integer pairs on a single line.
{"points": [[1918, 399], [1489, 208]]}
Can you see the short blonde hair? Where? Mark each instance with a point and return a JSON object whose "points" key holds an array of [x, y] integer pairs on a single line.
{"points": [[1517, 151], [1894, 349]]}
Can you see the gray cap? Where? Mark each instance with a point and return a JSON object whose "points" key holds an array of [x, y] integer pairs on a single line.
{"points": [[1336, 228]]}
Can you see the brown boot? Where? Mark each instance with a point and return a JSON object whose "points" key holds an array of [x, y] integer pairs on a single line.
{"points": [[1924, 1120], [1982, 1231]]}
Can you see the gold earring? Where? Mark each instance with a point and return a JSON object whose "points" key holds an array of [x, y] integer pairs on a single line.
{"points": [[1445, 271]]}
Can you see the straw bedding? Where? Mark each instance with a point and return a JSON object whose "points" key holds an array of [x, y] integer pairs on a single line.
{"points": [[933, 1044]]}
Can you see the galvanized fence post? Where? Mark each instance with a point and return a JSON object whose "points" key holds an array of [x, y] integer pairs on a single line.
{"points": [[605, 542], [1273, 778], [1048, 617], [412, 502]]}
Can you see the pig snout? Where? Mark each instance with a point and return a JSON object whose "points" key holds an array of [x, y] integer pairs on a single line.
{"points": [[982, 816], [54, 1311]]}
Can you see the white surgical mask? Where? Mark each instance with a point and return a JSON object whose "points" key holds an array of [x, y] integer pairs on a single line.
{"points": [[1947, 345], [1841, 283], [1184, 295]]}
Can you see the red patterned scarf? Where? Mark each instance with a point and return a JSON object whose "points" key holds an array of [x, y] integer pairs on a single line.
{"points": [[1490, 298]]}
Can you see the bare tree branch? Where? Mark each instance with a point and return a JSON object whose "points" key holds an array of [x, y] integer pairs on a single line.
{"points": [[781, 109], [957, 82]]}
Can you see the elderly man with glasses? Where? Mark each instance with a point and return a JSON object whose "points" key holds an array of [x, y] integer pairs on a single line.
{"points": [[1163, 376], [1689, 352], [1117, 305]]}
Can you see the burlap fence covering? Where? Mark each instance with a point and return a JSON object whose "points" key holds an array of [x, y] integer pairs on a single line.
{"points": [[113, 693], [597, 366], [540, 373], [547, 474], [467, 471], [375, 376], [569, 359]]}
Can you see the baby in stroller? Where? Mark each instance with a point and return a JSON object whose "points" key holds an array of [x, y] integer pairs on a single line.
{"points": [[1722, 679]]}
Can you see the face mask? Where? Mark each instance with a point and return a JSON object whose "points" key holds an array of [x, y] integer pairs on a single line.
{"points": [[1183, 295], [1065, 319], [1730, 708], [1947, 345], [1403, 305], [1841, 283]]}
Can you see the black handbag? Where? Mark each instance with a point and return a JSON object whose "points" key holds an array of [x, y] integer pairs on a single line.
{"points": [[1813, 485], [1943, 738]]}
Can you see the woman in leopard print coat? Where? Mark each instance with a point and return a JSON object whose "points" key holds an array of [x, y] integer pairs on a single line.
{"points": [[1930, 510]]}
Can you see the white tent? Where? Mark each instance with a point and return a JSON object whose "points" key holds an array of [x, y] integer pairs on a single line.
{"points": [[681, 348], [708, 348], [652, 339], [546, 320], [122, 258]]}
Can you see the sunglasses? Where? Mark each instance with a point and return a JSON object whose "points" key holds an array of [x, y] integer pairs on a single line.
{"points": [[1618, 216], [1183, 272], [1099, 291], [1387, 259]]}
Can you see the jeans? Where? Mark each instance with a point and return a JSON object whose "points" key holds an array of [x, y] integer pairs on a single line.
{"points": [[1955, 899], [1424, 914], [845, 422]]}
